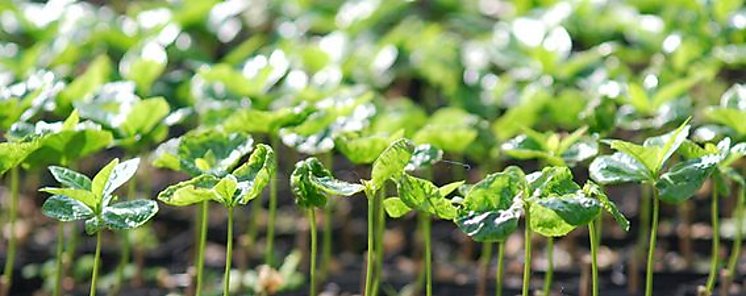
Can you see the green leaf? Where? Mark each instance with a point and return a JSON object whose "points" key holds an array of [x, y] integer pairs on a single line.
{"points": [[596, 191], [143, 64], [332, 186], [95, 75], [84, 196], [225, 190], [495, 192], [492, 226], [424, 156], [255, 174], [422, 195], [391, 163], [552, 181], [66, 209], [638, 98], [70, 178], [685, 178], [65, 146], [617, 168], [121, 173], [101, 180], [647, 156], [269, 122], [548, 223], [218, 150], [129, 214], [447, 189], [307, 194], [94, 225], [360, 149], [189, 192], [14, 153], [144, 116], [732, 118], [668, 143], [575, 209], [395, 207]]}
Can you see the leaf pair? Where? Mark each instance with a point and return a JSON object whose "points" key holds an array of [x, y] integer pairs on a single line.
{"points": [[242, 185], [557, 150], [312, 184], [423, 196], [81, 198]]}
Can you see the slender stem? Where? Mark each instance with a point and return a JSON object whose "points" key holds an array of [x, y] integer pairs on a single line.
{"points": [[484, 268], [738, 239], [369, 262], [428, 257], [715, 260], [527, 252], [125, 243], [228, 254], [9, 264], [269, 250], [96, 263], [651, 250], [500, 269], [550, 267], [593, 234], [312, 223], [201, 248], [380, 229], [58, 261], [326, 244]]}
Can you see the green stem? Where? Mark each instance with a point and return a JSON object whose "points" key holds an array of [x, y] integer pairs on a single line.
{"points": [[380, 229], [484, 268], [96, 263], [9, 264], [369, 262], [124, 258], [651, 250], [312, 270], [527, 252], [550, 267], [228, 254], [269, 250], [58, 261], [715, 241], [593, 234], [428, 257], [500, 268], [201, 248], [738, 239], [326, 244]]}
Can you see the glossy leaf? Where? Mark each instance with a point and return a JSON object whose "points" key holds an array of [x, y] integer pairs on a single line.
{"points": [[254, 175], [391, 163], [66, 209], [596, 191], [70, 178], [495, 192], [101, 180], [490, 226], [617, 168], [395, 207], [129, 214], [575, 209], [685, 178], [552, 181], [422, 195], [364, 149], [189, 192], [121, 173], [424, 156], [312, 184], [84, 196]]}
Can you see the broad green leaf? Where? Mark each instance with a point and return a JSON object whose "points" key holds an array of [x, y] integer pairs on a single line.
{"points": [[260, 121], [424, 156], [70, 178], [647, 156], [166, 155], [668, 143], [548, 223], [596, 191], [189, 192], [225, 190], [332, 186], [524, 147], [66, 209], [307, 194], [495, 192], [617, 168], [121, 173], [732, 118], [129, 214], [84, 196], [68, 145], [492, 226], [685, 178], [95, 75], [449, 138], [364, 149], [575, 209], [391, 163], [552, 181], [422, 195], [256, 173], [395, 208], [144, 116], [218, 150], [14, 153], [580, 151], [101, 180]]}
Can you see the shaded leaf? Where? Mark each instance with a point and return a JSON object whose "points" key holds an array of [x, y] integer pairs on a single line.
{"points": [[685, 178], [84, 196], [70, 178], [66, 209]]}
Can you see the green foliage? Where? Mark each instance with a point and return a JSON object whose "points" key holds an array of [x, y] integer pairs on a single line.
{"points": [[312, 184], [200, 152], [551, 147], [364, 149], [391, 163], [92, 201]]}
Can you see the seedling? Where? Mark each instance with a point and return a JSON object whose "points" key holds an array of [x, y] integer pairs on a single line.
{"points": [[208, 156], [93, 201], [645, 164], [242, 185], [312, 185]]}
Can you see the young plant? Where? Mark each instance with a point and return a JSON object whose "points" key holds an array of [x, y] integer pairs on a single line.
{"points": [[724, 172], [645, 164], [207, 156], [242, 185], [423, 196], [312, 184], [553, 149], [93, 201], [33, 146]]}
